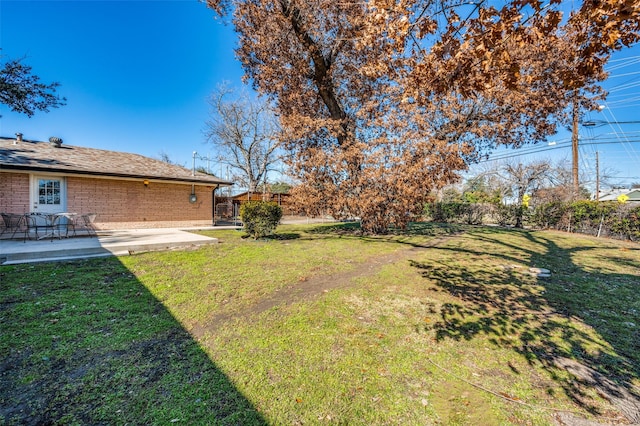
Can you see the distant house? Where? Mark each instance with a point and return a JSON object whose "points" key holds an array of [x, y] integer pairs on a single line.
{"points": [[633, 195], [124, 190]]}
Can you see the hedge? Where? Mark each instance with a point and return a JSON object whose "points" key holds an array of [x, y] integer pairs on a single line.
{"points": [[611, 219]]}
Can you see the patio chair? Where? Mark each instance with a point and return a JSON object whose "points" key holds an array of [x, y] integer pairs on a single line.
{"points": [[85, 222], [68, 222], [12, 223], [5, 225]]}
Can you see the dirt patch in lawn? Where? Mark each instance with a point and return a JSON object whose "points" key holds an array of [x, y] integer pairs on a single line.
{"points": [[309, 288]]}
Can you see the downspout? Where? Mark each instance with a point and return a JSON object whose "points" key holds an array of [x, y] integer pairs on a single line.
{"points": [[213, 215]]}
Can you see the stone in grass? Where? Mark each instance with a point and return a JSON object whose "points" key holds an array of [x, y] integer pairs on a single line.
{"points": [[540, 272]]}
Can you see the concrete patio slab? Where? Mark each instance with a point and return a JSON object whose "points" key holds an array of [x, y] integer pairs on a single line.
{"points": [[116, 242], [107, 243]]}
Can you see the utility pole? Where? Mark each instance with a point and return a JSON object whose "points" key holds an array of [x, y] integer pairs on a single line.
{"points": [[574, 146]]}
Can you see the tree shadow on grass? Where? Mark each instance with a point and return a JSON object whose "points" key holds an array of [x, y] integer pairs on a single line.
{"points": [[284, 236], [279, 236], [85, 343], [399, 236], [423, 229], [542, 318]]}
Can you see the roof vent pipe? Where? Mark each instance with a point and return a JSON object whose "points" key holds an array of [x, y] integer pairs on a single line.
{"points": [[55, 141], [18, 138]]}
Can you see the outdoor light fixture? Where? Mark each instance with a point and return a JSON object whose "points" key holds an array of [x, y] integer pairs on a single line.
{"points": [[193, 198], [146, 183]]}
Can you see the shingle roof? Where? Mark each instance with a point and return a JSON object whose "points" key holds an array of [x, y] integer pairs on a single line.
{"points": [[633, 194], [45, 157]]}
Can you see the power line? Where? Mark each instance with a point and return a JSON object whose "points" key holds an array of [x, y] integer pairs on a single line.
{"points": [[555, 147], [619, 132]]}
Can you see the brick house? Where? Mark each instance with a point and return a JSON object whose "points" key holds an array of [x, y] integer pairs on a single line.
{"points": [[124, 190]]}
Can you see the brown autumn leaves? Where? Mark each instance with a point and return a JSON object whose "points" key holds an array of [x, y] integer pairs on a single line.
{"points": [[383, 101]]}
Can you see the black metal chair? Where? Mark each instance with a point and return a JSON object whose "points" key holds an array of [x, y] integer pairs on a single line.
{"points": [[85, 222], [68, 222], [13, 223]]}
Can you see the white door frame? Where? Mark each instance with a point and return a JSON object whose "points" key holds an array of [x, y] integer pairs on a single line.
{"points": [[54, 195]]}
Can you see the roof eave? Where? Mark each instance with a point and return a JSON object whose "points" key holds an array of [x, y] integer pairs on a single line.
{"points": [[191, 180]]}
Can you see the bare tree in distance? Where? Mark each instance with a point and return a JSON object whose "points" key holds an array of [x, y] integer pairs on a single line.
{"points": [[525, 178], [166, 158], [245, 132], [515, 179], [590, 179], [556, 186]]}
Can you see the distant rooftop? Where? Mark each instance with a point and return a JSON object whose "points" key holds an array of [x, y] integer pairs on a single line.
{"points": [[612, 195], [36, 156]]}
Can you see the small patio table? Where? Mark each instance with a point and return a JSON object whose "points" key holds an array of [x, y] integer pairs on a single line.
{"points": [[52, 223], [39, 221]]}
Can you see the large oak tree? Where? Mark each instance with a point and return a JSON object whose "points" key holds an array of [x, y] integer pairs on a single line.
{"points": [[383, 101]]}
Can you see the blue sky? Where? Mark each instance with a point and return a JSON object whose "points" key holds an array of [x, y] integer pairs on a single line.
{"points": [[137, 74]]}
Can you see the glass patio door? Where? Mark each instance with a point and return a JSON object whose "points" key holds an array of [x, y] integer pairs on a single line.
{"points": [[48, 194]]}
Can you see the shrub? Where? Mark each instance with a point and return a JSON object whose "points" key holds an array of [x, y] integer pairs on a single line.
{"points": [[625, 223], [587, 217], [443, 211], [454, 212], [549, 215], [260, 218], [507, 215], [474, 213]]}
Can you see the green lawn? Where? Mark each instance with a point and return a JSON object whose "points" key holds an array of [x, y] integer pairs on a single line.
{"points": [[436, 325]]}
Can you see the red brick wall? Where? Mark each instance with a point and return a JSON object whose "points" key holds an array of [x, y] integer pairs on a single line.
{"points": [[14, 193], [129, 204], [119, 204]]}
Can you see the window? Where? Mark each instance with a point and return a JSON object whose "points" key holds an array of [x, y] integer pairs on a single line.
{"points": [[48, 191]]}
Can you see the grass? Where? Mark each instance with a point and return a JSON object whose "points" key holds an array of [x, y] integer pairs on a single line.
{"points": [[436, 325]]}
